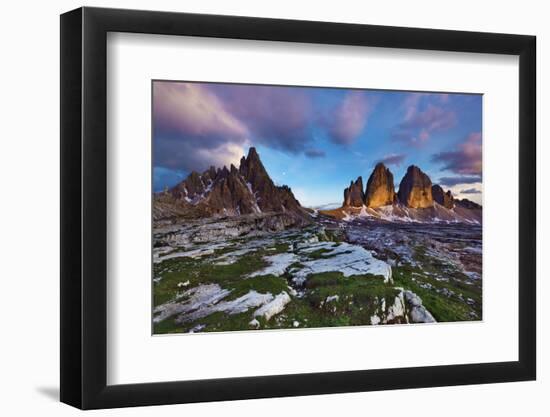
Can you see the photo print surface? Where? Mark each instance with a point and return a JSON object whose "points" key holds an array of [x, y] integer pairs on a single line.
{"points": [[284, 207]]}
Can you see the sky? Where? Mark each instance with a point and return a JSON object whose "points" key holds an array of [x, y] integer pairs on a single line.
{"points": [[316, 140]]}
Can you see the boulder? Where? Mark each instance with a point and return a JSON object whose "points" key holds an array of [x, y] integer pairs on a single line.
{"points": [[417, 312]]}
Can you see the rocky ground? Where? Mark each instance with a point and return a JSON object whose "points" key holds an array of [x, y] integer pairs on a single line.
{"points": [[252, 273]]}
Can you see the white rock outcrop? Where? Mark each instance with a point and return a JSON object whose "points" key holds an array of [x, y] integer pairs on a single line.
{"points": [[274, 307], [416, 311], [345, 258]]}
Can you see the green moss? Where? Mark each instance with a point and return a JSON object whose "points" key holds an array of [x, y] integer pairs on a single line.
{"points": [[334, 235], [444, 308], [280, 247], [168, 326], [318, 254], [216, 322], [262, 284], [296, 265], [201, 271], [359, 297], [359, 289], [221, 322]]}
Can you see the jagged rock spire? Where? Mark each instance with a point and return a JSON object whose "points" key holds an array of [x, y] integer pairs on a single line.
{"points": [[234, 191], [354, 195], [415, 189], [441, 197], [380, 188]]}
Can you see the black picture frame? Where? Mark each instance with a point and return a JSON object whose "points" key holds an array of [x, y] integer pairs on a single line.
{"points": [[84, 207]]}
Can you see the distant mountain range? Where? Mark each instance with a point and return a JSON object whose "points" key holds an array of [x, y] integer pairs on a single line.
{"points": [[416, 200], [249, 191]]}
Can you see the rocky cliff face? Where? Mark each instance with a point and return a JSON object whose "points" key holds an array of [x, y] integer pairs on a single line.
{"points": [[415, 189], [253, 172], [380, 189], [354, 195], [228, 192], [413, 202], [441, 197]]}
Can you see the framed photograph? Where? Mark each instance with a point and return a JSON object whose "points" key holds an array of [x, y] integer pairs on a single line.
{"points": [[257, 208]]}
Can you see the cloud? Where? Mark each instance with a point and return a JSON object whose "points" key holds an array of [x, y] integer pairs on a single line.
{"points": [[276, 117], [192, 110], [466, 160], [193, 129], [315, 153], [393, 159], [470, 191], [348, 119], [187, 156], [452, 181], [422, 118], [411, 103], [473, 193]]}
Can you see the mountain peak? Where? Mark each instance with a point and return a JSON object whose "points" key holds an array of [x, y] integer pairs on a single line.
{"points": [[415, 189], [253, 154], [232, 191], [252, 162], [442, 197], [380, 188], [354, 195], [413, 169]]}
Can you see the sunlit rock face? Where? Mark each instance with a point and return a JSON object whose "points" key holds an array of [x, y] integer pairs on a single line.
{"points": [[441, 197], [415, 189], [380, 189], [354, 195]]}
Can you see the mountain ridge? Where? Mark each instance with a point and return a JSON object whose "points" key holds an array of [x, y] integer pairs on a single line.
{"points": [[248, 191], [228, 192], [417, 200]]}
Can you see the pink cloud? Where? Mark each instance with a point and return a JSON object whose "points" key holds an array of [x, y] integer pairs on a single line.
{"points": [[466, 160], [276, 117], [430, 120], [193, 110], [419, 124], [410, 105], [424, 135], [192, 128], [349, 118]]}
